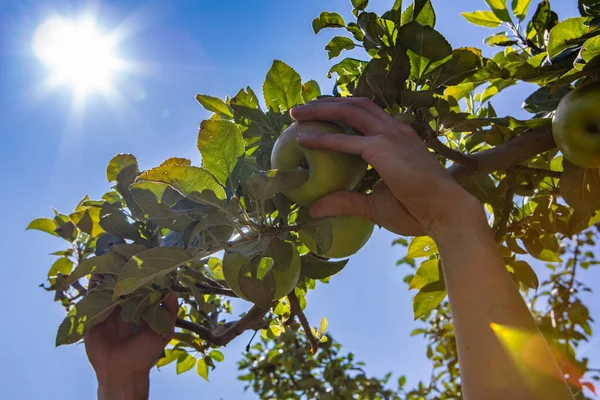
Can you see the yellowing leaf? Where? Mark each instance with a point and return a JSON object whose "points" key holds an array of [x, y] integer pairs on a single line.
{"points": [[428, 272], [421, 246], [202, 368], [323, 325], [185, 362]]}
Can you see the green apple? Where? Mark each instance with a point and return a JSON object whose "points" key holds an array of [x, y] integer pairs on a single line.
{"points": [[576, 126], [328, 171], [348, 235], [283, 278]]}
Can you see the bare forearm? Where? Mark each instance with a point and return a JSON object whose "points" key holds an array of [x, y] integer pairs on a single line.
{"points": [[124, 388], [502, 354]]}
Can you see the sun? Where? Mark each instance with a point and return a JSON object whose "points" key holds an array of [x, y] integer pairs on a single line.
{"points": [[77, 54]]}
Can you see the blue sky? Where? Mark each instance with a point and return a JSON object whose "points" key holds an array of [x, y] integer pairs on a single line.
{"points": [[54, 155]]}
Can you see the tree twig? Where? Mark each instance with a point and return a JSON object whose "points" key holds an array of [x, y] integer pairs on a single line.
{"points": [[253, 320], [205, 289], [297, 310], [537, 171], [506, 155], [432, 140]]}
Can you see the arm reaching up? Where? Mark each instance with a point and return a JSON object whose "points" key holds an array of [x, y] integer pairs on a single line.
{"points": [[502, 354]]}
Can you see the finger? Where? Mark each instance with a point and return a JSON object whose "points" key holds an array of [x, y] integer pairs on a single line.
{"points": [[358, 118], [334, 141], [172, 305], [343, 203], [361, 102]]}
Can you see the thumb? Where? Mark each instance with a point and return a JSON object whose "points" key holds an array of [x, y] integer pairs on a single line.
{"points": [[343, 203]]}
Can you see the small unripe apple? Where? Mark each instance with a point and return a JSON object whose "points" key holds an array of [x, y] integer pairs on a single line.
{"points": [[576, 126], [283, 278], [349, 235], [328, 171]]}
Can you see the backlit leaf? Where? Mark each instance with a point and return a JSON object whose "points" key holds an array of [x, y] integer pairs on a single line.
{"points": [[328, 20], [221, 144], [215, 105], [482, 18], [282, 87], [428, 272], [43, 224], [202, 368], [421, 246]]}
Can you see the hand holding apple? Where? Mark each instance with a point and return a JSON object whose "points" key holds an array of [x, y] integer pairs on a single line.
{"points": [[417, 193], [328, 171]]}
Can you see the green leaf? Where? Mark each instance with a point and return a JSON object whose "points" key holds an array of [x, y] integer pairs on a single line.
{"points": [[359, 5], [122, 167], [590, 49], [520, 8], [580, 187], [159, 320], [420, 11], [215, 105], [43, 224], [87, 219], [282, 88], [482, 18], [525, 274], [500, 39], [314, 267], [565, 35], [544, 100], [89, 311], [421, 246], [185, 362], [337, 44], [170, 355], [148, 265], [424, 41], [213, 229], [221, 144], [156, 199], [114, 221], [67, 231], [428, 272], [216, 355], [463, 64], [428, 299], [63, 266], [109, 263], [245, 105], [328, 20], [202, 368], [310, 90], [195, 183], [499, 9]]}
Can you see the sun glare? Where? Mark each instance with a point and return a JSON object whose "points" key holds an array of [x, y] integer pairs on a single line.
{"points": [[77, 54]]}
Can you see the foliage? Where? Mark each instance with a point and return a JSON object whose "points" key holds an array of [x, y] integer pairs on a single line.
{"points": [[159, 230]]}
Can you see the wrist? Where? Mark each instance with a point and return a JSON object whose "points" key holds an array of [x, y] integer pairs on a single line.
{"points": [[124, 387], [463, 216]]}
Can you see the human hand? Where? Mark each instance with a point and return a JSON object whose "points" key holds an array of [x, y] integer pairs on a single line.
{"points": [[416, 194], [123, 357]]}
